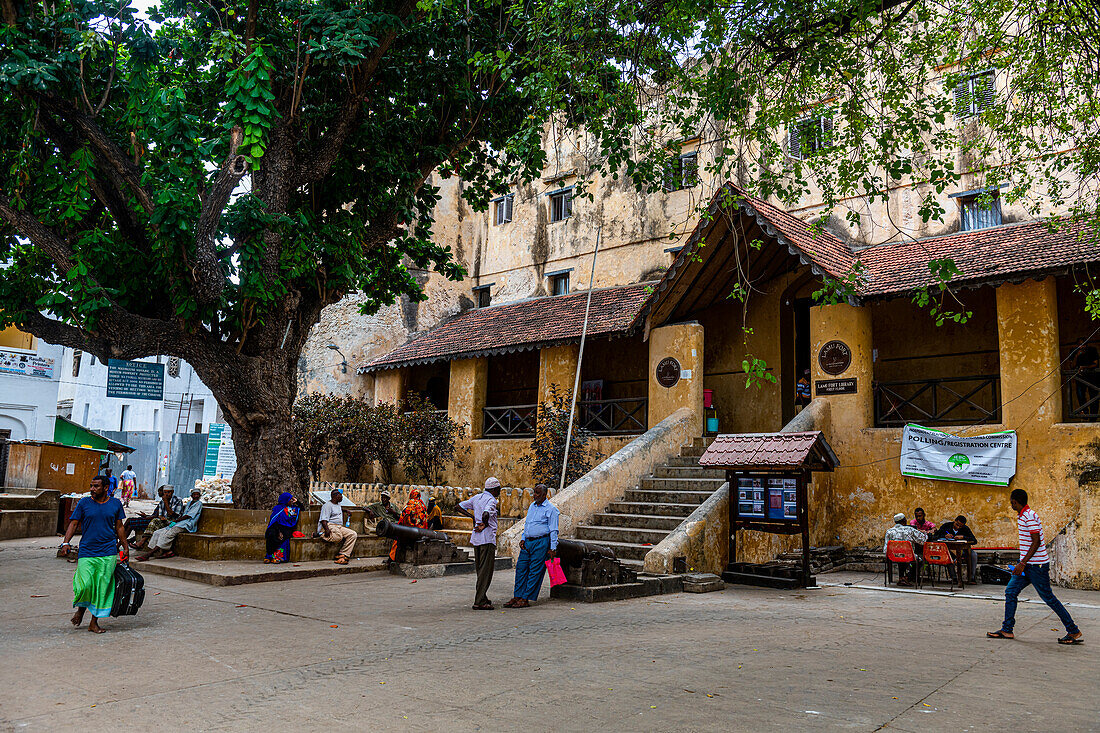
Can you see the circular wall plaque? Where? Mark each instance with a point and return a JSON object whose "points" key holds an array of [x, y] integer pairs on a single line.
{"points": [[835, 357], [668, 372]]}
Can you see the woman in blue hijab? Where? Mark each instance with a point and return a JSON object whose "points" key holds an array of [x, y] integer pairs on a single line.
{"points": [[280, 528]]}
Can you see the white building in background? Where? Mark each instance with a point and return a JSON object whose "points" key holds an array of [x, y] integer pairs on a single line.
{"points": [[29, 372], [187, 407]]}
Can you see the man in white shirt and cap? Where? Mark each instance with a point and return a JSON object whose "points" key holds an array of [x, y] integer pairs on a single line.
{"points": [[903, 531], [483, 510], [330, 527]]}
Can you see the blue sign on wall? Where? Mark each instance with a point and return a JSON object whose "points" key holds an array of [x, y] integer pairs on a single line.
{"points": [[135, 380]]}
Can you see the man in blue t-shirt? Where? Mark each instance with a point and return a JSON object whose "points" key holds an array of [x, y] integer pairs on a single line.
{"points": [[112, 483], [100, 519]]}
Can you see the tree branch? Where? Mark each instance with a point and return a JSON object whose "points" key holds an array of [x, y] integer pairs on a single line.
{"points": [[118, 166], [53, 244], [328, 148], [207, 273]]}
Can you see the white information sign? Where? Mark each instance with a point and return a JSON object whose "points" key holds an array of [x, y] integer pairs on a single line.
{"points": [[221, 458], [980, 459]]}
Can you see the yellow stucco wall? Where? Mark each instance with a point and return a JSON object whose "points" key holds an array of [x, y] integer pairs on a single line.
{"points": [[683, 342], [868, 488], [557, 366]]}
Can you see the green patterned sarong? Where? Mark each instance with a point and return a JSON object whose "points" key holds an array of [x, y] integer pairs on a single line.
{"points": [[94, 584]]}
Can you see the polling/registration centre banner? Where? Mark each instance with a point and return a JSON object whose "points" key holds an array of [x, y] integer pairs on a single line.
{"points": [[980, 459]]}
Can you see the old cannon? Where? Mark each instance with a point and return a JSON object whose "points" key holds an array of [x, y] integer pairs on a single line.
{"points": [[420, 546], [588, 564]]}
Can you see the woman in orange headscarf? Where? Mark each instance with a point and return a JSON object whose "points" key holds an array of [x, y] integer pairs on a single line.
{"points": [[415, 514]]}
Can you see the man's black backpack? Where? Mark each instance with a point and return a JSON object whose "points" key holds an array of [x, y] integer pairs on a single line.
{"points": [[129, 591]]}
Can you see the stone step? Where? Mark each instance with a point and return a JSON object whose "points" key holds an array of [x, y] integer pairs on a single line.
{"points": [[639, 521], [651, 508], [667, 497], [702, 441], [691, 451], [681, 484], [631, 535], [626, 550], [461, 537], [682, 461], [689, 472], [18, 523], [250, 547]]}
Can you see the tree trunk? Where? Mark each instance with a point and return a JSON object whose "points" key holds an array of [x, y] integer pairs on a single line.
{"points": [[257, 396]]}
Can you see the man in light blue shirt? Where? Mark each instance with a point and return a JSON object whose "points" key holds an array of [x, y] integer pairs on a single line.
{"points": [[539, 544]]}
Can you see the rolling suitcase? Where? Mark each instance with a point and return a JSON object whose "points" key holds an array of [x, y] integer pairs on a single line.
{"points": [[129, 591]]}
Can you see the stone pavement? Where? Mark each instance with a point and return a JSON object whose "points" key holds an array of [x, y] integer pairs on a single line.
{"points": [[376, 651]]}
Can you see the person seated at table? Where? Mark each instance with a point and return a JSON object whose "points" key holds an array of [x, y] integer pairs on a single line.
{"points": [[920, 521], [170, 509], [959, 531], [280, 528], [956, 530], [435, 515], [903, 531]]}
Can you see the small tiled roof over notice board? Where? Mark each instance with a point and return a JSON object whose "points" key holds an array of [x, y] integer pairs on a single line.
{"points": [[763, 451]]}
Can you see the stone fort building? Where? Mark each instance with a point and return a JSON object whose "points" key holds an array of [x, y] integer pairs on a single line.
{"points": [[489, 348]]}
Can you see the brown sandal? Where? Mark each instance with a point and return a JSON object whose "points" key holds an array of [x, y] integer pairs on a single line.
{"points": [[1000, 635], [341, 560]]}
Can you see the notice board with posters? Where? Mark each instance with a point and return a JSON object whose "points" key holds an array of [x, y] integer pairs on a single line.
{"points": [[761, 500]]}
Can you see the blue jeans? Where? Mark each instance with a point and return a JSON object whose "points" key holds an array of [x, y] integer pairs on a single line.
{"points": [[1038, 576], [530, 567]]}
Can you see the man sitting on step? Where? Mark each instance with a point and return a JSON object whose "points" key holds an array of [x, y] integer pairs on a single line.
{"points": [[162, 540], [330, 527], [168, 510]]}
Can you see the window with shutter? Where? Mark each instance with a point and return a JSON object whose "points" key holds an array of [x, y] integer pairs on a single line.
{"points": [[682, 172], [809, 135], [77, 356], [503, 213], [561, 205], [980, 211], [974, 93]]}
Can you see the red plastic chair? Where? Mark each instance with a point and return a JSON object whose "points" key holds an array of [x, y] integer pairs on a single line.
{"points": [[901, 552], [938, 555]]}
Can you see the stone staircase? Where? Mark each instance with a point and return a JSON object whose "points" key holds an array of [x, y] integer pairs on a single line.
{"points": [[646, 514]]}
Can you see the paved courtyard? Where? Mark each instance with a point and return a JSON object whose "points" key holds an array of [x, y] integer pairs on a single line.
{"points": [[380, 652]]}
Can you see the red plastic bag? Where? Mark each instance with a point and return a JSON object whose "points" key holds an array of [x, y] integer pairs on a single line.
{"points": [[557, 575], [297, 534]]}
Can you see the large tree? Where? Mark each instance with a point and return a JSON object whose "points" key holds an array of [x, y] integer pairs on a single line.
{"points": [[204, 184]]}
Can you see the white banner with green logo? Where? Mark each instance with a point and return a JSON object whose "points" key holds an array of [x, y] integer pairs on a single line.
{"points": [[980, 459]]}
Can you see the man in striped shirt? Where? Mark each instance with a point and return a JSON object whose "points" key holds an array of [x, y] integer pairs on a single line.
{"points": [[1034, 569]]}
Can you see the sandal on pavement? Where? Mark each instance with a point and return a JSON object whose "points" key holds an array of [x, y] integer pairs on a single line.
{"points": [[1001, 635], [1072, 639], [341, 560], [485, 607]]}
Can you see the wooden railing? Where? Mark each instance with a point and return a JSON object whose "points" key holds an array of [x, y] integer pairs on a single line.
{"points": [[613, 417], [950, 401], [1080, 396], [512, 421]]}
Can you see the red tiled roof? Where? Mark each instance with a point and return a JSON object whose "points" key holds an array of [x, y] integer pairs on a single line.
{"points": [[821, 248], [995, 254], [824, 252], [519, 326], [770, 450]]}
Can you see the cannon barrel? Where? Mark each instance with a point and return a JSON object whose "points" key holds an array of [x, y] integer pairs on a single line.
{"points": [[394, 531], [573, 552]]}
